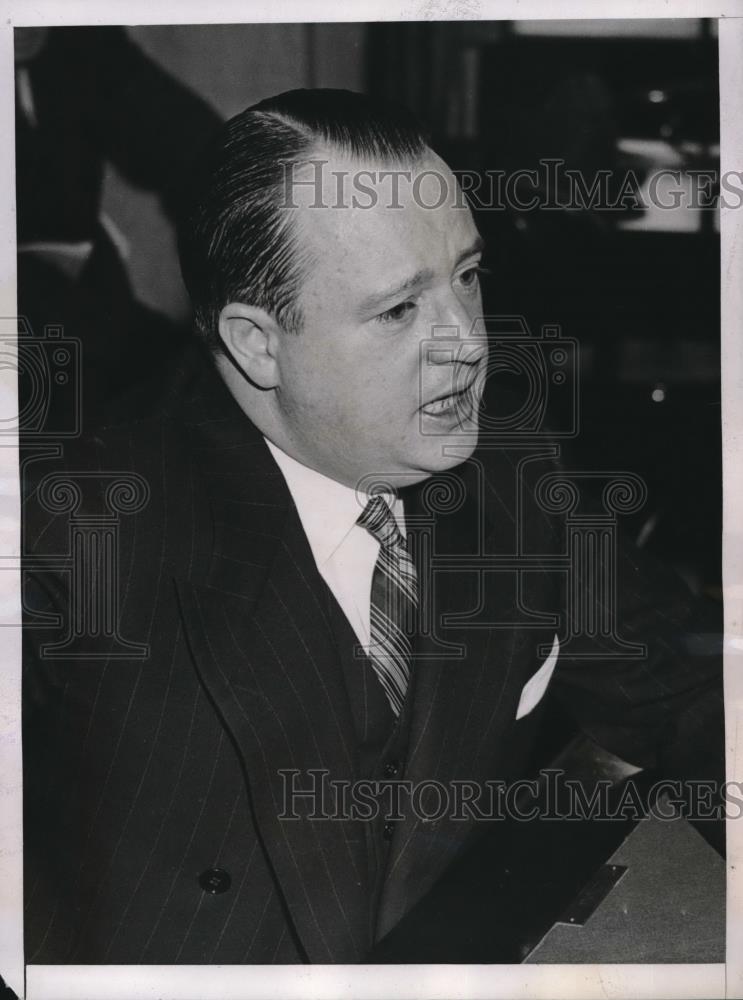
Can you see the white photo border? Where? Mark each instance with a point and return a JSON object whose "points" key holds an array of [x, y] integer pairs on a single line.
{"points": [[444, 981]]}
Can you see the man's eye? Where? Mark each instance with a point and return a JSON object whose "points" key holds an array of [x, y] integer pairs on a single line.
{"points": [[397, 313], [470, 278]]}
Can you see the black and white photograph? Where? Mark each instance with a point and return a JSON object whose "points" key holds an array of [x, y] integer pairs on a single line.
{"points": [[372, 391]]}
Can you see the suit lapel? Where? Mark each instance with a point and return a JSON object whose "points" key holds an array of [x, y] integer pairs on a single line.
{"points": [[266, 656], [463, 706]]}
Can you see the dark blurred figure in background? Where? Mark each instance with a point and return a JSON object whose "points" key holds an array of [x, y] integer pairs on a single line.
{"points": [[641, 295], [85, 96]]}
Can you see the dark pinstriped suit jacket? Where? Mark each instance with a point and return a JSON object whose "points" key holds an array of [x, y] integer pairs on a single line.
{"points": [[140, 774]]}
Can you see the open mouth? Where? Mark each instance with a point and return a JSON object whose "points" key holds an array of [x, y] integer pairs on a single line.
{"points": [[461, 403]]}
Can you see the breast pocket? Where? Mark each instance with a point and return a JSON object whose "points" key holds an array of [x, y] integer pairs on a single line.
{"points": [[534, 689]]}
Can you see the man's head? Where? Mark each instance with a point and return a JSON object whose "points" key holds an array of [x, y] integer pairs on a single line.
{"points": [[332, 263]]}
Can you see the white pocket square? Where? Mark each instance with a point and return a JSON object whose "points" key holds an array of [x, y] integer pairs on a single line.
{"points": [[535, 687]]}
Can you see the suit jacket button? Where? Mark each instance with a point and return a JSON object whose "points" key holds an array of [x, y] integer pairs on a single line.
{"points": [[391, 769], [215, 880], [388, 830]]}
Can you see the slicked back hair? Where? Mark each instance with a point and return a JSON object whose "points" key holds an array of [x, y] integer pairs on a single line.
{"points": [[237, 237]]}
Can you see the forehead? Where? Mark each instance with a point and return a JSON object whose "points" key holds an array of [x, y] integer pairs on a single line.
{"points": [[365, 222]]}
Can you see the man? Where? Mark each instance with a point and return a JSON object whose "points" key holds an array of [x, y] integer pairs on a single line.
{"points": [[275, 620]]}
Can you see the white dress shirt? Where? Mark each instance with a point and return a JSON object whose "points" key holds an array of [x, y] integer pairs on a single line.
{"points": [[344, 552]]}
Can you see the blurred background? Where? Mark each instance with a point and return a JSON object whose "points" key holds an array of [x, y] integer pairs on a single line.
{"points": [[107, 119]]}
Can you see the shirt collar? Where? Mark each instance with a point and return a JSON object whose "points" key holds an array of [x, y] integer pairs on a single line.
{"points": [[327, 509]]}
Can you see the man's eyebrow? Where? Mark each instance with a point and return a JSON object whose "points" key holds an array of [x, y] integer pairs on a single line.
{"points": [[419, 278], [477, 246]]}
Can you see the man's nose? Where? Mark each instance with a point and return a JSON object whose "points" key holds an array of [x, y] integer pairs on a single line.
{"points": [[461, 342]]}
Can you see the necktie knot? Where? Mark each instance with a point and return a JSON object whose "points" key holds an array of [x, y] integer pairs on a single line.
{"points": [[380, 522]]}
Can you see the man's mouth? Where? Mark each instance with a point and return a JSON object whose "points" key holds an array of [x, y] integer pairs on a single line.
{"points": [[461, 403]]}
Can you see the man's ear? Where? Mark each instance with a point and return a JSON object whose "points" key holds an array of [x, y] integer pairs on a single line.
{"points": [[251, 337]]}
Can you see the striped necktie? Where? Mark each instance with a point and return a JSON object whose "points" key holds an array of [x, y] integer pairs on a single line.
{"points": [[394, 602]]}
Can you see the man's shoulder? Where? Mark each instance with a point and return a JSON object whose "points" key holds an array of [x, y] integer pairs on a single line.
{"points": [[142, 448], [135, 425], [157, 403]]}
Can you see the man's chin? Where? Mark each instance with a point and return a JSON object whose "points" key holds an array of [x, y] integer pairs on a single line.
{"points": [[452, 449], [425, 457], [446, 452]]}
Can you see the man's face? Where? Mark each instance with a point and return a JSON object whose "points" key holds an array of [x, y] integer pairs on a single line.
{"points": [[387, 371]]}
